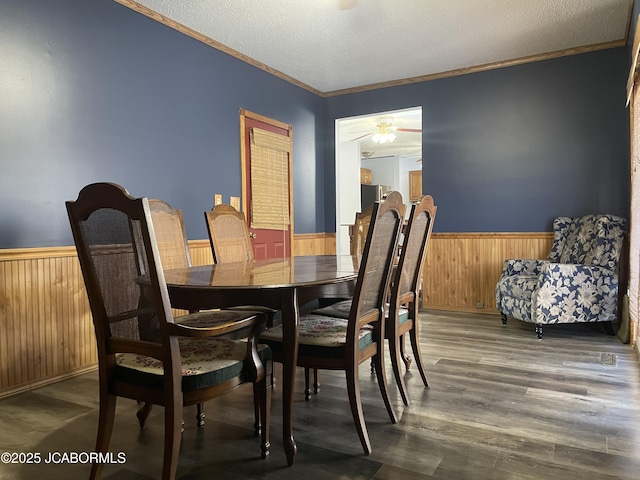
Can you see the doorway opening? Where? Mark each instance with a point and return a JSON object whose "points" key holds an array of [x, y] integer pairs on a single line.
{"points": [[368, 167]]}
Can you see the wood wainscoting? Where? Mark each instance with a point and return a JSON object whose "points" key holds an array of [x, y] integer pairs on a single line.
{"points": [[46, 332], [461, 269]]}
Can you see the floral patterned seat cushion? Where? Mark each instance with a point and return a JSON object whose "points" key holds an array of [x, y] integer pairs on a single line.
{"points": [[205, 362], [341, 310], [320, 332]]}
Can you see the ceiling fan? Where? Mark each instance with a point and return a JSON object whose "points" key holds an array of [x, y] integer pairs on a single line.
{"points": [[384, 131]]}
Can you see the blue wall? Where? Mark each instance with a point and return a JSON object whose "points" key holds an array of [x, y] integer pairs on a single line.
{"points": [[92, 91], [510, 149]]}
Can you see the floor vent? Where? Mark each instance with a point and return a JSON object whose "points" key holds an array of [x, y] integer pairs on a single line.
{"points": [[608, 359]]}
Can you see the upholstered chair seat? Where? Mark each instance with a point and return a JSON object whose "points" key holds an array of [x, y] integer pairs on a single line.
{"points": [[342, 308], [205, 362], [322, 331]]}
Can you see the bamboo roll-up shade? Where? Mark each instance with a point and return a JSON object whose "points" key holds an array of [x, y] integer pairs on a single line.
{"points": [[270, 164], [273, 274]]}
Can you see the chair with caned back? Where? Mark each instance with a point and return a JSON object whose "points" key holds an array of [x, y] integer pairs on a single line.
{"points": [[173, 246], [358, 239], [171, 235], [404, 301], [344, 344], [402, 315], [143, 354], [360, 230], [231, 242], [228, 234]]}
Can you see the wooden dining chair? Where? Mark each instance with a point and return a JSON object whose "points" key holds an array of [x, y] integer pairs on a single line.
{"points": [[171, 234], [342, 306], [173, 247], [402, 314], [358, 239], [228, 234], [231, 242], [344, 344], [360, 230], [404, 301], [143, 354]]}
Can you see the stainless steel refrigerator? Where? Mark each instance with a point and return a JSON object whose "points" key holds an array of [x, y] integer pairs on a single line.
{"points": [[372, 193]]}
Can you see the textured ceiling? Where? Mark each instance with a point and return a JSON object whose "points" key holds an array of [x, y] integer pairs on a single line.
{"points": [[332, 45]]}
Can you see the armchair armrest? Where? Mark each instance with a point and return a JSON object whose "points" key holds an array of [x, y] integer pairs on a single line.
{"points": [[205, 324], [569, 293], [519, 266], [564, 275], [217, 323]]}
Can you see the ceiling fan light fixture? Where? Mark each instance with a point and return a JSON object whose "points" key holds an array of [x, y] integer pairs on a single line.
{"points": [[384, 137], [384, 133]]}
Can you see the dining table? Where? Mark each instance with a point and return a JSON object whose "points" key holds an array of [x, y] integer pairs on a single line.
{"points": [[284, 284]]}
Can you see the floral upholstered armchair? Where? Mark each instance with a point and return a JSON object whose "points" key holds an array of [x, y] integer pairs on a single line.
{"points": [[578, 282]]}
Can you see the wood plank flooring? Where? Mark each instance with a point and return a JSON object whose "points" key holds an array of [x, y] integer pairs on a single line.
{"points": [[501, 405]]}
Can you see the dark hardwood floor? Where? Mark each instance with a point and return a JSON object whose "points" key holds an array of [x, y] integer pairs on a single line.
{"points": [[501, 405]]}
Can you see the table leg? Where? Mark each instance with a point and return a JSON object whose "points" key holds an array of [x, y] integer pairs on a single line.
{"points": [[290, 323]]}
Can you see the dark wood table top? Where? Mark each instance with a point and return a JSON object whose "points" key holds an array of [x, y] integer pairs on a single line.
{"points": [[268, 274]]}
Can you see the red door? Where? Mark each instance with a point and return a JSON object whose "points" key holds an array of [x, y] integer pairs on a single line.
{"points": [[267, 184]]}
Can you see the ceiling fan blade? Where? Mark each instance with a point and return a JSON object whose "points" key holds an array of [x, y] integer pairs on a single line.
{"points": [[361, 136], [410, 130]]}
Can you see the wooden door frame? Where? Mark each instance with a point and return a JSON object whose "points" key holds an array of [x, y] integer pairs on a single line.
{"points": [[243, 165], [633, 267]]}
